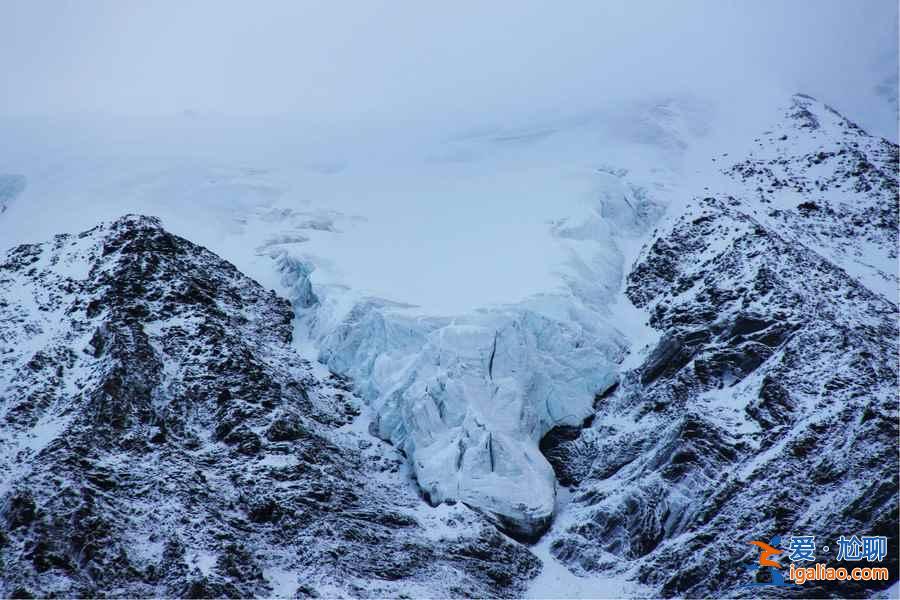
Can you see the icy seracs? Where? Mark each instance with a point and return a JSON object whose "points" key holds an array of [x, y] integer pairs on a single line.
{"points": [[468, 398]]}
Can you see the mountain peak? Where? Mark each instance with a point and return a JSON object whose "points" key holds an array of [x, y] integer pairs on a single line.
{"points": [[162, 438], [810, 113]]}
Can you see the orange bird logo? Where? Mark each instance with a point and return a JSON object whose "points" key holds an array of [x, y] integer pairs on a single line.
{"points": [[766, 552]]}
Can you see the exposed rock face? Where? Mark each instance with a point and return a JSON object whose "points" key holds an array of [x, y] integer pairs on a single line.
{"points": [[162, 438], [769, 405], [819, 179]]}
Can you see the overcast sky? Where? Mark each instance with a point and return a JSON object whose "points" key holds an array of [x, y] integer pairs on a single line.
{"points": [[382, 61]]}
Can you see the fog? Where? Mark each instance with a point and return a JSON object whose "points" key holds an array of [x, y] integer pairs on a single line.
{"points": [[385, 64], [436, 137]]}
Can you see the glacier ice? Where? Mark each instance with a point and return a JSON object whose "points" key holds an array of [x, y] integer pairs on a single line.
{"points": [[467, 398]]}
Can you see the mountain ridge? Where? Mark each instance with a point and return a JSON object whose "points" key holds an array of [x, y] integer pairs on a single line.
{"points": [[163, 439], [774, 359]]}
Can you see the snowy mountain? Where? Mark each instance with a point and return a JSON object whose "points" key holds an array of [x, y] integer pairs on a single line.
{"points": [[769, 404], [671, 358], [162, 438]]}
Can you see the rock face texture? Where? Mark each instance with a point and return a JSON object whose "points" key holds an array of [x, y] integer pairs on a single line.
{"points": [[160, 437], [820, 180], [768, 405]]}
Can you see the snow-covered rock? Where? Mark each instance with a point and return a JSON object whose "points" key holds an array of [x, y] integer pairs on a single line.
{"points": [[161, 437], [769, 404], [818, 178]]}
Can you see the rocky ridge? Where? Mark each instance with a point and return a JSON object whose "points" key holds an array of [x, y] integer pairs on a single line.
{"points": [[162, 438], [769, 404]]}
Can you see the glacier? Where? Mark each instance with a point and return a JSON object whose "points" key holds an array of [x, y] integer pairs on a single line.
{"points": [[510, 327], [469, 397]]}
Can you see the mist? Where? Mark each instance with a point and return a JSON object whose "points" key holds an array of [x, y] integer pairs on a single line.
{"points": [[412, 65], [453, 130]]}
